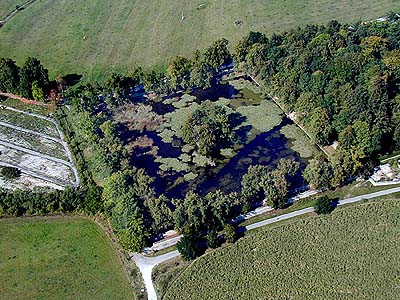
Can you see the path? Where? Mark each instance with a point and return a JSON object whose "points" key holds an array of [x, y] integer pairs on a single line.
{"points": [[42, 135], [146, 264], [61, 140]]}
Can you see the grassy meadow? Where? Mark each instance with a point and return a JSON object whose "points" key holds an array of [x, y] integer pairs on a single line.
{"points": [[351, 254], [59, 258], [94, 37]]}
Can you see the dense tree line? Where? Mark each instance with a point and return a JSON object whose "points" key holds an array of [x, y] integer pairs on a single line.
{"points": [[31, 80], [341, 81]]}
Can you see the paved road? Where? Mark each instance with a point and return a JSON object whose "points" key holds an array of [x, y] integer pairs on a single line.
{"points": [[61, 140], [146, 264]]}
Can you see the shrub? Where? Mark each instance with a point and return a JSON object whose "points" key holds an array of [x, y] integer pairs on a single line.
{"points": [[324, 205], [10, 173]]}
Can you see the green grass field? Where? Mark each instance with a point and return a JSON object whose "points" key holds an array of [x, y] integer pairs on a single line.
{"points": [[351, 254], [59, 258], [94, 37]]}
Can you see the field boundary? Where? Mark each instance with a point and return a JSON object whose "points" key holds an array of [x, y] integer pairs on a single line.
{"points": [[15, 11]]}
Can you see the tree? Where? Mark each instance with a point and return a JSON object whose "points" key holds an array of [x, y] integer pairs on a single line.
{"points": [[10, 173], [218, 54], [93, 200], [160, 212], [32, 71], [202, 74], [37, 92], [212, 239], [323, 205], [230, 233], [178, 72], [318, 173], [208, 128], [134, 237], [319, 125], [187, 247], [276, 183], [9, 76]]}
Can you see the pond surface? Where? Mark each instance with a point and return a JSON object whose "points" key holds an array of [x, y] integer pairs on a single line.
{"points": [[264, 148]]}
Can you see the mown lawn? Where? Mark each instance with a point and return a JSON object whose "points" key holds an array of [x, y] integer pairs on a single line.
{"points": [[351, 254], [59, 258], [93, 37]]}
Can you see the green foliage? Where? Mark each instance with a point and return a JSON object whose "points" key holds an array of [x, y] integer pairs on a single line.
{"points": [[9, 76], [160, 212], [212, 239], [230, 233], [318, 173], [178, 72], [18, 203], [187, 247], [311, 249], [10, 173], [37, 92], [208, 129], [218, 54], [124, 192], [32, 71], [263, 183], [134, 236], [323, 205]]}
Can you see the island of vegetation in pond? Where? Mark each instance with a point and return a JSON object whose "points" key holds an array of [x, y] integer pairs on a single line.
{"points": [[207, 139]]}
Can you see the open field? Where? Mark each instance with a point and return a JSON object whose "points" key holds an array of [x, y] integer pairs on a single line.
{"points": [[59, 258], [32, 144], [6, 6], [96, 36], [350, 254]]}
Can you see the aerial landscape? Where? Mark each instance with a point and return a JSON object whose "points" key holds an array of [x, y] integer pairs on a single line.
{"points": [[199, 149]]}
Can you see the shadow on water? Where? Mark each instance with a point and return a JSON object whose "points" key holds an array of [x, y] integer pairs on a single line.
{"points": [[265, 149], [224, 90]]}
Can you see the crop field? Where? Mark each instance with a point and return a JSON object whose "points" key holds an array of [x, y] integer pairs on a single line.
{"points": [[32, 144], [351, 254], [94, 37], [264, 135], [59, 258]]}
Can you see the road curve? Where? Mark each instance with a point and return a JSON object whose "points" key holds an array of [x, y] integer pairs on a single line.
{"points": [[146, 264]]}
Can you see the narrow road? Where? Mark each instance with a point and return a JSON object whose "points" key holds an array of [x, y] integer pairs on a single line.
{"points": [[58, 182], [146, 264], [61, 140]]}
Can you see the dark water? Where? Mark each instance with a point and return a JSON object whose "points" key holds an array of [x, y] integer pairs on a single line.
{"points": [[265, 149]]}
